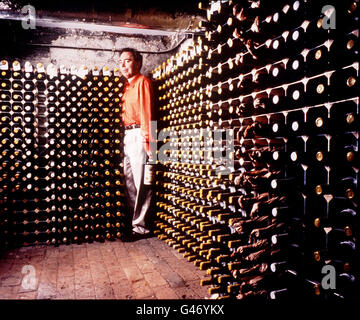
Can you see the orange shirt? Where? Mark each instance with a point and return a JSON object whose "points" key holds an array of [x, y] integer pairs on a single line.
{"points": [[138, 104]]}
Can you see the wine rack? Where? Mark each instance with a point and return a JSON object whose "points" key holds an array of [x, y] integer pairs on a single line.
{"points": [[258, 172], [61, 175]]}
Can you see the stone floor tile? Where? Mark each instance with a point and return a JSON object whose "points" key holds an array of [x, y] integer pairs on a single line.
{"points": [[145, 269]]}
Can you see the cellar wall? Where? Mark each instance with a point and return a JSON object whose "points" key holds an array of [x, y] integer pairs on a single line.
{"points": [[259, 183], [62, 46]]}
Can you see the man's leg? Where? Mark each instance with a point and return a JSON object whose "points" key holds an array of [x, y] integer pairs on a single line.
{"points": [[130, 193], [143, 196]]}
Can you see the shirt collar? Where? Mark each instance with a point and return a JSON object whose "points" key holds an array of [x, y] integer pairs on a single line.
{"points": [[133, 80]]}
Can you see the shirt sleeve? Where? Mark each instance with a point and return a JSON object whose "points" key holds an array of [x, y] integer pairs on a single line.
{"points": [[146, 102]]}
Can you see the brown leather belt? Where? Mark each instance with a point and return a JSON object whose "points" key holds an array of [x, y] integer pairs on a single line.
{"points": [[132, 126]]}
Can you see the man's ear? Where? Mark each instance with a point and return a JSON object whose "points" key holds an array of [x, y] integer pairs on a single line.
{"points": [[138, 66]]}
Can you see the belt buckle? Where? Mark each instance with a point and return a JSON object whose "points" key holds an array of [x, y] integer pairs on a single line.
{"points": [[131, 126]]}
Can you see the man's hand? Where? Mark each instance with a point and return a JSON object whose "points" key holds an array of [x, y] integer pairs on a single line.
{"points": [[150, 155]]}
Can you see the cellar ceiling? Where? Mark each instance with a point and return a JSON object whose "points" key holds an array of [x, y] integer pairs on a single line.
{"points": [[156, 14]]}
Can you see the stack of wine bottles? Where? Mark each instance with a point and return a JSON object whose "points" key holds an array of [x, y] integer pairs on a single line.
{"points": [[60, 154], [259, 162]]}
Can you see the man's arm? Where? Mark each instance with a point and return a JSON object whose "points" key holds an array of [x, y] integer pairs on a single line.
{"points": [[146, 102]]}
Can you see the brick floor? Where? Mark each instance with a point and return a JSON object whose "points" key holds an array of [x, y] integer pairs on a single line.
{"points": [[145, 269]]}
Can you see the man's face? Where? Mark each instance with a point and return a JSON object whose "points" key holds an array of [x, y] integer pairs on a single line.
{"points": [[128, 66]]}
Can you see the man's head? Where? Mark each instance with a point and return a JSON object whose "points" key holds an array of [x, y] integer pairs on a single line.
{"points": [[130, 62]]}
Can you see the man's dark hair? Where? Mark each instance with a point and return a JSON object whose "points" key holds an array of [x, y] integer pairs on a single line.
{"points": [[136, 54]]}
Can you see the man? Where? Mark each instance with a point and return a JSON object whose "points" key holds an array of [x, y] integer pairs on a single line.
{"points": [[137, 113]]}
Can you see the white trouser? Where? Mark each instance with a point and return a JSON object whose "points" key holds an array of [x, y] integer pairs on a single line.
{"points": [[138, 195]]}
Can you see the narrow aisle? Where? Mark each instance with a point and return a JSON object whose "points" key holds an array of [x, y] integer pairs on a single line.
{"points": [[145, 269]]}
